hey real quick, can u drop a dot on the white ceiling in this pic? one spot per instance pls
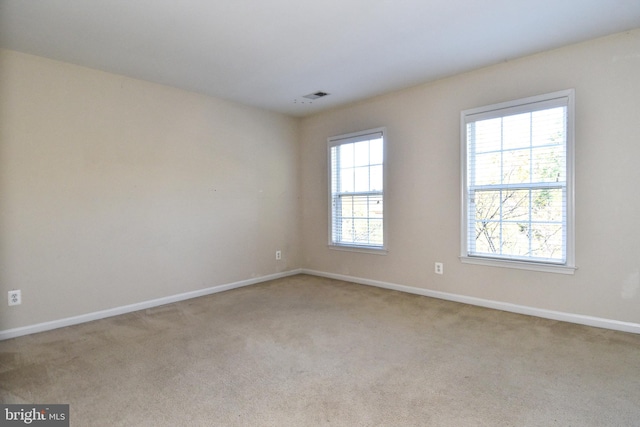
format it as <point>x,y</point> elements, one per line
<point>269,53</point>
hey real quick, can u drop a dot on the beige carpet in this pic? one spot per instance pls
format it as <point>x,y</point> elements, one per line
<point>307,351</point>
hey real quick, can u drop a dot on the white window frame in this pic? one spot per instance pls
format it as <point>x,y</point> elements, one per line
<point>565,97</point>
<point>348,139</point>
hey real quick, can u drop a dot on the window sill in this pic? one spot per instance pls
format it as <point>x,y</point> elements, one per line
<point>361,249</point>
<point>522,265</point>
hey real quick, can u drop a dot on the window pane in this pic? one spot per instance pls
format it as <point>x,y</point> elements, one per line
<point>487,237</point>
<point>360,207</point>
<point>361,153</point>
<point>346,155</point>
<point>516,131</point>
<point>547,241</point>
<point>487,170</point>
<point>516,168</point>
<point>376,178</point>
<point>515,205</point>
<point>347,206</point>
<point>487,205</point>
<point>347,231</point>
<point>361,230</point>
<point>376,153</point>
<point>375,207</point>
<point>547,205</point>
<point>548,164</point>
<point>361,179</point>
<point>515,239</point>
<point>548,126</point>
<point>347,184</point>
<point>488,134</point>
<point>376,233</point>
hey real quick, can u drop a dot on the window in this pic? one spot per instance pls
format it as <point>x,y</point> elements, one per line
<point>356,190</point>
<point>517,166</point>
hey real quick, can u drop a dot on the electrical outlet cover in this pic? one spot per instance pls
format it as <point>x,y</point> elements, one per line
<point>15,297</point>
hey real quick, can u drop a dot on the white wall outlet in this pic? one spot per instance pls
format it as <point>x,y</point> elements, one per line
<point>439,268</point>
<point>278,255</point>
<point>15,297</point>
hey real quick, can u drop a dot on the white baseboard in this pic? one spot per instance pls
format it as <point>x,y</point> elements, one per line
<point>55,324</point>
<point>497,305</point>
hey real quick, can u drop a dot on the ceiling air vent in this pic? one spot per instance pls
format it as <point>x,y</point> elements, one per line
<point>316,95</point>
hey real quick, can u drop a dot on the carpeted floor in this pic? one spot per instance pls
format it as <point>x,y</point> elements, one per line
<point>307,351</point>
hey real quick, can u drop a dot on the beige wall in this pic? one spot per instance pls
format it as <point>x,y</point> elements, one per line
<point>115,191</point>
<point>423,192</point>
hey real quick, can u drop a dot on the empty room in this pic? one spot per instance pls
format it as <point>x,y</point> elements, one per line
<point>345,213</point>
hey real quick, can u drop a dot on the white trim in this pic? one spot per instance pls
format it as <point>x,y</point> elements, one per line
<point>351,138</point>
<point>532,103</point>
<point>579,319</point>
<point>361,249</point>
<point>521,265</point>
<point>83,318</point>
<point>564,98</point>
<point>362,135</point>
